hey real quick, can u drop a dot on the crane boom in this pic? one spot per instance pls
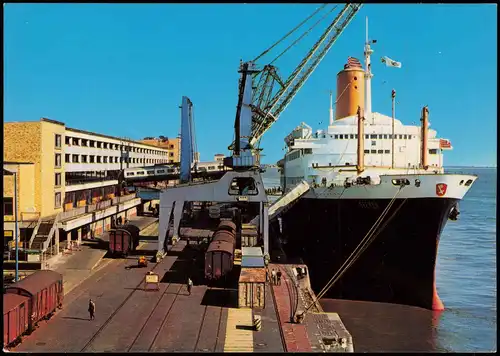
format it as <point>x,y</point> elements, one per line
<point>266,112</point>
<point>300,75</point>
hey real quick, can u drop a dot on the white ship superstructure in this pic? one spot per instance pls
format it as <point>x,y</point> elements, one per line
<point>371,178</point>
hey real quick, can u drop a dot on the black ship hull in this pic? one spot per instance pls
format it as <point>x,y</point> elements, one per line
<point>397,267</point>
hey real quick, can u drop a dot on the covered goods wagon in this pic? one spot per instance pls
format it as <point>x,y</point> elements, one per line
<point>218,259</point>
<point>123,240</point>
<point>16,311</point>
<point>44,289</point>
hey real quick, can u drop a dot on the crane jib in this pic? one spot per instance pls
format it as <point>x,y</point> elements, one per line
<point>266,111</point>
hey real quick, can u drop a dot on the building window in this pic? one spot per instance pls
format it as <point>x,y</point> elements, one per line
<point>57,202</point>
<point>58,179</point>
<point>116,159</point>
<point>84,159</point>
<point>400,137</point>
<point>58,160</point>
<point>98,159</point>
<point>67,140</point>
<point>387,151</point>
<point>58,141</point>
<point>91,159</point>
<point>75,141</point>
<point>171,154</point>
<point>111,159</point>
<point>433,151</point>
<point>67,158</point>
<point>380,151</point>
<point>373,151</point>
<point>85,143</point>
<point>8,206</point>
<point>171,146</point>
<point>367,151</point>
<point>385,137</point>
<point>99,144</point>
<point>406,137</point>
<point>373,136</point>
<point>105,159</point>
<point>75,159</point>
<point>380,137</point>
<point>374,143</point>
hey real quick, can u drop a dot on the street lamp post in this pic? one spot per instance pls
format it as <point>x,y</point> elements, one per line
<point>16,236</point>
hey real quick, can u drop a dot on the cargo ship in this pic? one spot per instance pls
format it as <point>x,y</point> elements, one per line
<point>378,201</point>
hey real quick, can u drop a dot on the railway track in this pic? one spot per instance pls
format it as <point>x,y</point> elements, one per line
<point>110,318</point>
<point>203,323</point>
<point>149,318</point>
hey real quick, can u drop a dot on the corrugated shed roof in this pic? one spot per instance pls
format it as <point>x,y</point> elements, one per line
<point>252,261</point>
<point>251,251</point>
<point>35,282</point>
<point>247,232</point>
<point>11,301</point>
<point>255,275</point>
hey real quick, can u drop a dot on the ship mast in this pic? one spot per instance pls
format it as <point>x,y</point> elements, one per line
<point>368,76</point>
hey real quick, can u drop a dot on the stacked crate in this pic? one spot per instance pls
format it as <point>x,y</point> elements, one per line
<point>252,282</point>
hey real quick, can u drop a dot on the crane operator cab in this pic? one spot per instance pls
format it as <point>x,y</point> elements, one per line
<point>243,186</point>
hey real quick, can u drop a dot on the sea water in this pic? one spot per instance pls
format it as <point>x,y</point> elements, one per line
<point>466,283</point>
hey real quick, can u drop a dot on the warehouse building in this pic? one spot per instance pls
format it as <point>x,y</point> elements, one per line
<point>67,182</point>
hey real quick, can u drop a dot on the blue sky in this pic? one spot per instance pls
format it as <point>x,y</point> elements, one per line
<point>122,69</point>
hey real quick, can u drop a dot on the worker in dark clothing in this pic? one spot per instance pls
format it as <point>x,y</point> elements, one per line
<point>91,309</point>
<point>189,285</point>
<point>278,276</point>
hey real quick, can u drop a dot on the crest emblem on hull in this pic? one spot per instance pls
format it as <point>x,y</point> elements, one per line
<point>441,189</point>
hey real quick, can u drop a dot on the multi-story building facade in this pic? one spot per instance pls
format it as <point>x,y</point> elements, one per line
<point>172,145</point>
<point>67,173</point>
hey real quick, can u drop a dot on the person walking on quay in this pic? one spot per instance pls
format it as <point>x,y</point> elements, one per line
<point>273,276</point>
<point>91,309</point>
<point>189,285</point>
<point>278,276</point>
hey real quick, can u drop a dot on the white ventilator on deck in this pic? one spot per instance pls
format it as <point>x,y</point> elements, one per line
<point>284,201</point>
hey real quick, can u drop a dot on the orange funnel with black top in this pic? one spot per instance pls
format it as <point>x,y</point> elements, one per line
<point>350,89</point>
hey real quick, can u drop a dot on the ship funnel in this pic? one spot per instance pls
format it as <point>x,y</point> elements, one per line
<point>350,89</point>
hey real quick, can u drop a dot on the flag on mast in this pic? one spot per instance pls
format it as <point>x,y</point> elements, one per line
<point>390,62</point>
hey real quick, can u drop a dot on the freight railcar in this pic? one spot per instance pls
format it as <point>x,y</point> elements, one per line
<point>219,259</point>
<point>123,240</point>
<point>42,294</point>
<point>227,225</point>
<point>225,236</point>
<point>16,309</point>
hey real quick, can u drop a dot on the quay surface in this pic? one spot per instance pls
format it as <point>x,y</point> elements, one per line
<point>130,319</point>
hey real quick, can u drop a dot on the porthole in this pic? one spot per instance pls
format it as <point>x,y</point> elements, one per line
<point>417,183</point>
<point>355,78</point>
<point>469,182</point>
<point>461,182</point>
<point>356,87</point>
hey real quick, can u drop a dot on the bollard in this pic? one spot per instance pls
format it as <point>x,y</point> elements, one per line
<point>257,323</point>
